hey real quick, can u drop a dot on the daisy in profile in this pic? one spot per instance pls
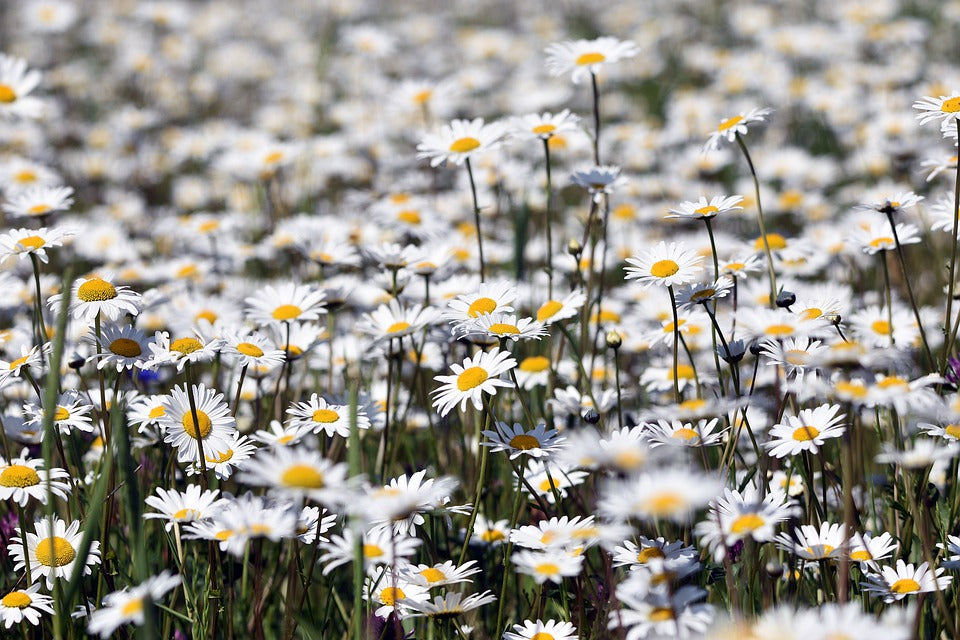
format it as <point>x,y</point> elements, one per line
<point>16,84</point>
<point>810,543</point>
<point>247,518</point>
<point>93,296</point>
<point>127,605</point>
<point>667,494</point>
<point>876,236</point>
<point>599,181</point>
<point>489,532</point>
<point>180,351</point>
<point>26,242</point>
<point>739,515</point>
<point>945,109</point>
<point>287,302</point>
<point>279,435</point>
<point>24,604</point>
<point>892,205</point>
<point>539,442</point>
<point>72,413</point>
<point>318,415</point>
<point>489,297</point>
<point>729,128</point>
<point>393,320</point>
<point>122,346</point>
<point>556,310</point>
<point>52,553</point>
<point>533,371</point>
<point>440,574</point>
<point>213,426</point>
<point>547,565</point>
<point>298,473</point>
<point>704,209</point>
<point>249,348</point>
<point>500,326</point>
<point>553,480</point>
<point>29,357</point>
<point>381,547</point>
<point>664,266</point>
<point>224,461</point>
<point>460,140</point>
<point>392,593</point>
<point>677,433</point>
<point>450,605</point>
<point>894,584</point>
<point>178,507</point>
<point>24,478</point>
<point>867,549</point>
<point>38,200</point>
<point>638,556</point>
<point>540,630</point>
<point>582,58</point>
<point>402,502</point>
<point>543,126</point>
<point>690,295</point>
<point>807,431</point>
<point>477,375</point>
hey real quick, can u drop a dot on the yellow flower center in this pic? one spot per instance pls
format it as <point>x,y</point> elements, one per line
<point>524,442</point>
<point>779,330</point>
<point>207,315</point>
<point>185,346</point>
<point>286,312</point>
<point>950,105</point>
<point>201,429</point>
<point>703,294</point>
<point>273,157</point>
<point>372,551</point>
<point>471,378</point>
<point>219,458</point>
<point>650,553</point>
<point>861,555</point>
<point>223,535</point>
<point>547,569</point>
<point>32,242</point>
<point>183,514</point>
<point>16,599</point>
<point>325,416</point>
<point>882,241</point>
<point>157,412</point>
<point>535,364</point>
<point>126,347</point>
<point>893,382</point>
<point>544,129</point>
<point>706,211</point>
<point>433,575</point>
<point>548,310</point>
<point>952,430</point>
<point>729,122</point>
<point>684,433</point>
<point>55,552</point>
<point>481,305</point>
<point>18,362</point>
<point>96,290</point>
<point>464,145</point>
<point>397,327</point>
<point>390,595</point>
<point>547,485</point>
<point>905,585</point>
<point>590,58</point>
<point>39,209</point>
<point>501,328</point>
<point>775,240</point>
<point>25,177</point>
<point>18,475</point>
<point>62,413</point>
<point>542,635</point>
<point>881,326</point>
<point>664,268</point>
<point>250,349</point>
<point>660,614</point>
<point>796,357</point>
<point>303,476</point>
<point>746,523</point>
<point>665,503</point>
<point>805,434</point>
<point>693,404</point>
<point>684,372</point>
<point>491,535</point>
<point>132,608</point>
<point>410,216</point>
<point>422,97</point>
<point>7,94</point>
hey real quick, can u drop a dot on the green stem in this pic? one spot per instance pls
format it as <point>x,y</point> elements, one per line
<point>476,220</point>
<point>763,228</point>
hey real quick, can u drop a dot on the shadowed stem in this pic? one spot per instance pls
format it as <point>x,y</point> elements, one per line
<point>676,345</point>
<point>763,227</point>
<point>913,301</point>
<point>596,118</point>
<point>953,261</point>
<point>549,188</point>
<point>476,221</point>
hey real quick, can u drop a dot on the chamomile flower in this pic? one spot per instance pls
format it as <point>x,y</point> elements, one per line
<point>287,302</point>
<point>599,181</point>
<point>52,553</point>
<point>213,425</point>
<point>892,205</point>
<point>72,413</point>
<point>393,320</point>
<point>279,435</point>
<point>677,433</point>
<point>37,201</point>
<point>29,357</point>
<point>533,371</point>
<point>665,266</point>
<point>26,242</point>
<point>380,547</point>
<point>488,532</point>
<point>810,543</point>
<point>253,349</point>
<point>807,431</point>
<point>440,574</point>
<point>704,209</point>
<point>539,442</point>
<point>741,515</point>
<point>318,415</point>
<point>944,108</point>
<point>122,346</point>
<point>894,584</point>
<point>543,126</point>
<point>93,296</point>
<point>669,494</point>
<point>24,604</point>
<point>489,297</point>
<point>550,481</point>
<point>24,478</point>
<point>180,351</point>
<point>477,375</point>
<point>648,551</point>
<point>392,592</point>
<point>729,128</point>
<point>403,501</point>
<point>247,518</point>
<point>500,326</point>
<point>556,310</point>
<point>223,461</point>
<point>16,84</point>
<point>554,565</point>
<point>452,604</point>
<point>690,295</point>
<point>178,507</point>
<point>127,605</point>
<point>876,236</point>
<point>460,140</point>
<point>867,549</point>
<point>298,473</point>
<point>540,630</point>
<point>582,58</point>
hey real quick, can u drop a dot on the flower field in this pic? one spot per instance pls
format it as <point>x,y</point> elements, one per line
<point>360,320</point>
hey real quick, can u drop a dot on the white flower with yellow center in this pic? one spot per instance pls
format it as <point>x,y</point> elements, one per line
<point>543,126</point>
<point>93,295</point>
<point>38,201</point>
<point>72,413</point>
<point>441,574</point>
<point>16,83</point>
<point>490,297</point>
<point>550,481</point>
<point>729,128</point>
<point>665,494</point>
<point>180,350</point>
<point>556,310</point>
<point>178,507</point>
<point>691,295</point>
<point>253,349</point>
<point>583,58</point>
<point>127,605</point>
<point>52,553</point>
<point>872,326</point>
<point>380,547</point>
<point>450,605</point>
<point>946,109</point>
<point>245,518</point>
<point>876,236</point>
<point>540,630</point>
<point>867,549</point>
<point>223,461</point>
<point>677,433</point>
<point>533,371</point>
<point>477,376</point>
<point>29,356</point>
<point>318,415</point>
<point>499,326</point>
<point>391,590</point>
<point>807,431</point>
<point>24,604</point>
<point>547,565</point>
<point>539,442</point>
<point>742,515</point>
<point>894,584</point>
<point>665,265</point>
<point>211,424</point>
<point>810,543</point>
<point>703,209</point>
<point>25,242</point>
<point>460,140</point>
<point>285,303</point>
<point>122,346</point>
<point>299,473</point>
<point>639,556</point>
<point>24,478</point>
<point>394,321</point>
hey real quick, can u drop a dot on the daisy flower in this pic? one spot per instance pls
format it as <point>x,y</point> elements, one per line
<point>677,433</point>
<point>489,532</point>
<point>807,431</point>
<point>180,351</point>
<point>183,507</point>
<point>599,181</point>
<point>247,518</point>
<point>533,371</point>
<point>253,349</point>
<point>540,630</point>
<point>52,553</point>
<point>24,604</point>
<point>16,83</point>
<point>548,481</point>
<point>476,376</point>
<point>543,126</point>
<point>582,58</point>
<point>29,356</point>
<point>24,242</point>
<point>122,346</point>
<point>539,442</point>
<point>390,321</point>
<point>318,415</point>
<point>664,265</point>
<point>729,128</point>
<point>213,426</point>
<point>944,108</point>
<point>547,565</point>
<point>460,140</point>
<point>923,453</point>
<point>381,547</point>
<point>72,413</point>
<point>450,605</point>
<point>402,501</point>
<point>555,533</point>
<point>490,297</point>
<point>24,478</point>
<point>288,302</point>
<point>739,515</point>
<point>703,209</point>
<point>127,606</point>
<point>810,543</point>
<point>659,615</point>
<point>313,522</point>
<point>38,201</point>
<point>282,436</point>
<point>871,326</point>
<point>500,326</point>
<point>690,295</point>
<point>299,473</point>
<point>876,236</point>
<point>637,556</point>
<point>555,310</point>
<point>93,296</point>
<point>893,204</point>
<point>392,593</point>
<point>440,574</point>
<point>894,584</point>
<point>667,494</point>
<point>223,461</point>
<point>867,549</point>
